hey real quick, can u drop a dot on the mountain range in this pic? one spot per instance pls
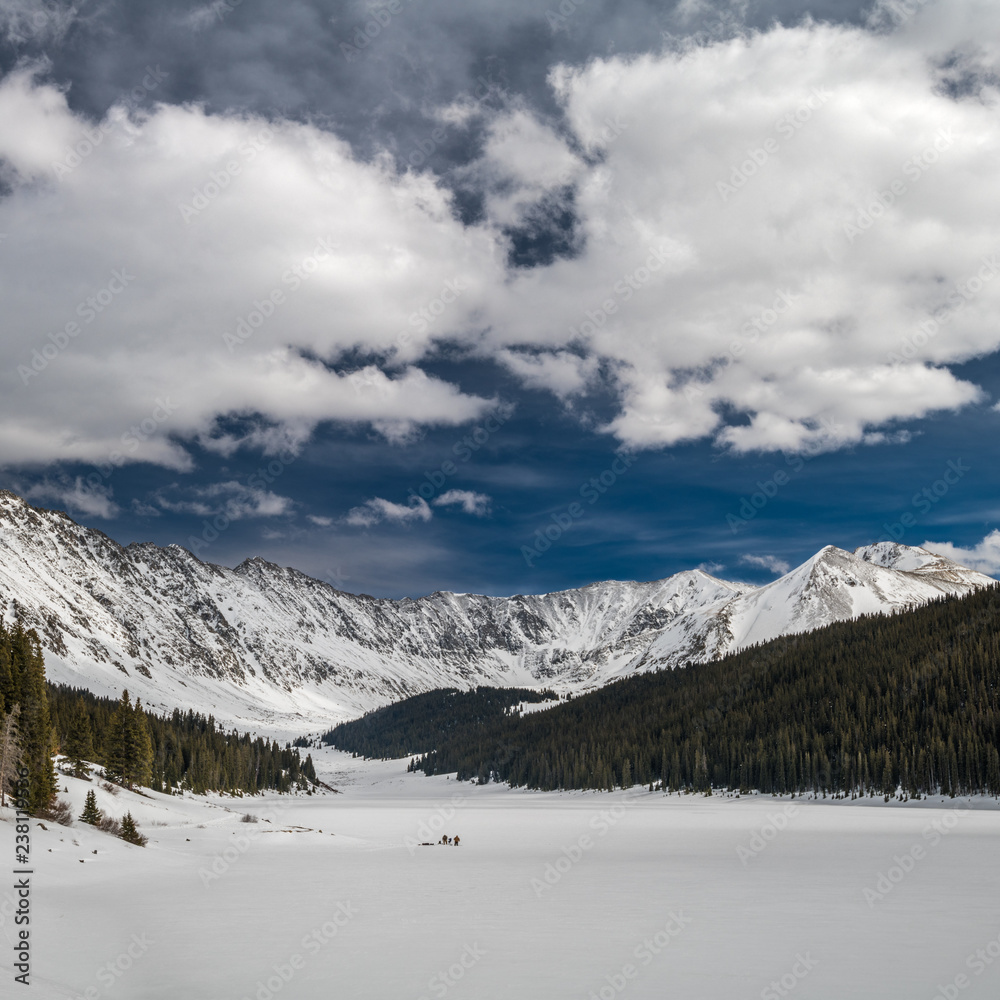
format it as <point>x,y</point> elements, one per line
<point>265,645</point>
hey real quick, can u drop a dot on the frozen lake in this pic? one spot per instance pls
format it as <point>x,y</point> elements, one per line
<point>549,896</point>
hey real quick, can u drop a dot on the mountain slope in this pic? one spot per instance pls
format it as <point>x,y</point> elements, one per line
<point>261,643</point>
<point>907,704</point>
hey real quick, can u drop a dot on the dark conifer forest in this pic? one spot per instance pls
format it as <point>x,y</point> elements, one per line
<point>905,703</point>
<point>425,720</point>
<point>134,748</point>
<point>188,750</point>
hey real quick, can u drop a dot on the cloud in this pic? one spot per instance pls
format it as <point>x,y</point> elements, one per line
<point>477,504</point>
<point>141,509</point>
<point>769,323</point>
<point>563,373</point>
<point>771,563</point>
<point>984,557</point>
<point>40,21</point>
<point>737,270</point>
<point>207,16</point>
<point>276,252</point>
<point>321,522</point>
<point>76,496</point>
<point>233,499</point>
<point>376,510</point>
<point>711,567</point>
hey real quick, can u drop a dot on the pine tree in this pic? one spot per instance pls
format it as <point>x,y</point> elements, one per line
<point>91,814</point>
<point>8,688</point>
<point>10,752</point>
<point>130,833</point>
<point>116,740</point>
<point>34,724</point>
<point>128,750</point>
<point>79,743</point>
<point>140,770</point>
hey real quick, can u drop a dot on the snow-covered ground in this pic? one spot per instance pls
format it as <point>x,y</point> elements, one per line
<point>549,895</point>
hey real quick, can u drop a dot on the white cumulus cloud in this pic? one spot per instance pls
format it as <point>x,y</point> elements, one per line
<point>771,563</point>
<point>477,504</point>
<point>76,496</point>
<point>784,239</point>
<point>233,499</point>
<point>377,510</point>
<point>984,557</point>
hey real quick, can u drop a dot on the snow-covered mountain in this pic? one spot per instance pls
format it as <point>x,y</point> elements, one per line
<point>261,644</point>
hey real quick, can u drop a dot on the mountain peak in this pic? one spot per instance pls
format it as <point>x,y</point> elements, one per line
<point>263,641</point>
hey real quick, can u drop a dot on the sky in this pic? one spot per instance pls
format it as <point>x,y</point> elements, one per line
<point>504,297</point>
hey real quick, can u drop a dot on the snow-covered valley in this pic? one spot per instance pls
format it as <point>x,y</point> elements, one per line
<point>262,645</point>
<point>549,895</point>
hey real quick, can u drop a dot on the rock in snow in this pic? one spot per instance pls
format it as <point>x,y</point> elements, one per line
<point>260,643</point>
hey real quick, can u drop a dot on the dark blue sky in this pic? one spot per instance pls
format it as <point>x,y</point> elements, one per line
<point>603,462</point>
<point>668,511</point>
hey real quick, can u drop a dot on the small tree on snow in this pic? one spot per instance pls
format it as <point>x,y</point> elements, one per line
<point>91,814</point>
<point>130,832</point>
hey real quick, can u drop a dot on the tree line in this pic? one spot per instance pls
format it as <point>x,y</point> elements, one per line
<point>906,703</point>
<point>425,720</point>
<point>185,750</point>
<point>133,747</point>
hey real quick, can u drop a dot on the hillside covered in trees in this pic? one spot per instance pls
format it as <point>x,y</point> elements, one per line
<point>425,720</point>
<point>26,737</point>
<point>186,750</point>
<point>134,748</point>
<point>908,701</point>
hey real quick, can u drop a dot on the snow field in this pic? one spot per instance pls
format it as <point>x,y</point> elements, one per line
<point>550,895</point>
